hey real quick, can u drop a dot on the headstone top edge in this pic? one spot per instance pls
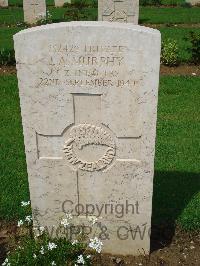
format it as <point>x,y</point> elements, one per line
<point>118,25</point>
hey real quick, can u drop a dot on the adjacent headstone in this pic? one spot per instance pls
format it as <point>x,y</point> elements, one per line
<point>3,3</point>
<point>193,2</point>
<point>60,3</point>
<point>118,10</point>
<point>34,10</point>
<point>88,94</point>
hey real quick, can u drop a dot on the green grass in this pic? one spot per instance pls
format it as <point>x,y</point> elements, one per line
<point>176,183</point>
<point>177,178</point>
<point>20,2</point>
<point>6,37</point>
<point>11,16</point>
<point>14,184</point>
<point>179,35</point>
<point>152,15</point>
<point>177,15</point>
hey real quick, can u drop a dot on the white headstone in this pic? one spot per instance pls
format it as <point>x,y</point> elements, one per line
<point>3,3</point>
<point>88,94</point>
<point>193,2</point>
<point>118,10</point>
<point>60,3</point>
<point>34,10</point>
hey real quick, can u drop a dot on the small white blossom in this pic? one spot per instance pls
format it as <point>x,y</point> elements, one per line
<point>24,203</point>
<point>42,250</point>
<point>39,230</point>
<point>20,222</point>
<point>28,219</point>
<point>65,222</point>
<point>41,16</point>
<point>53,263</point>
<point>80,259</point>
<point>51,246</point>
<point>93,220</point>
<point>42,229</point>
<point>96,244</point>
<point>88,256</point>
<point>6,263</point>
<point>69,216</point>
<point>74,242</point>
<point>34,256</point>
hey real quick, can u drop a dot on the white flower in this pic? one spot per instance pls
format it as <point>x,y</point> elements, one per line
<point>53,263</point>
<point>34,256</point>
<point>42,229</point>
<point>20,222</point>
<point>74,242</point>
<point>41,16</point>
<point>42,250</point>
<point>24,203</point>
<point>69,216</point>
<point>93,220</point>
<point>88,256</point>
<point>28,219</point>
<point>65,222</point>
<point>80,259</point>
<point>6,263</point>
<point>96,244</point>
<point>51,246</point>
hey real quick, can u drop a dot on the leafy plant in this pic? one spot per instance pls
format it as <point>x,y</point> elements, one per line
<point>7,57</point>
<point>42,19</point>
<point>170,53</point>
<point>194,49</point>
<point>39,246</point>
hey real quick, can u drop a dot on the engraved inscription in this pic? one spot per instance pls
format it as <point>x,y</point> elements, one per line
<point>119,12</point>
<point>87,134</point>
<point>93,66</point>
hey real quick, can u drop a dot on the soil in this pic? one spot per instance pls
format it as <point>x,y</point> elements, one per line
<point>183,249</point>
<point>173,248</point>
<point>184,69</point>
<point>188,70</point>
<point>7,70</point>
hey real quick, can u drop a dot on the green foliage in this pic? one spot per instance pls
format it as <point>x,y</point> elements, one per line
<point>30,252</point>
<point>7,57</point>
<point>194,49</point>
<point>46,20</point>
<point>150,2</point>
<point>79,3</point>
<point>169,53</point>
<point>41,245</point>
<point>179,34</point>
<point>161,2</point>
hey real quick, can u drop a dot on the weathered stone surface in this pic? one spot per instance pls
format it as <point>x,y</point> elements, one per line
<point>3,3</point>
<point>118,10</point>
<point>60,3</point>
<point>34,10</point>
<point>88,94</point>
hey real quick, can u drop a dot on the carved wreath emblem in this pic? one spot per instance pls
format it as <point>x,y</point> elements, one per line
<point>86,134</point>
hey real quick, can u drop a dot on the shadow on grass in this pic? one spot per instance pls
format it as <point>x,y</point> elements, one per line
<point>172,192</point>
<point>143,20</point>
